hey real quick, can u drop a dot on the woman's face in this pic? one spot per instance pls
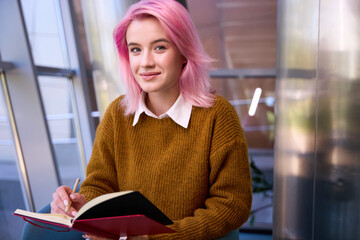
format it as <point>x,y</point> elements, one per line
<point>154,59</point>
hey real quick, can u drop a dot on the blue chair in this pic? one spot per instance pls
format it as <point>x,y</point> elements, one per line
<point>233,235</point>
<point>31,232</point>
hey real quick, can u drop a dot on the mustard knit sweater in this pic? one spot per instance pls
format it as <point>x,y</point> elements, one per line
<point>199,176</point>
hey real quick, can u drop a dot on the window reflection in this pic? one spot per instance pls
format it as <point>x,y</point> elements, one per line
<point>100,19</point>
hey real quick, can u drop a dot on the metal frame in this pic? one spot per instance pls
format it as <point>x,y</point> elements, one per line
<point>244,73</point>
<point>54,72</point>
<point>81,89</point>
<point>5,66</point>
<point>262,73</point>
<point>27,118</point>
<point>29,203</point>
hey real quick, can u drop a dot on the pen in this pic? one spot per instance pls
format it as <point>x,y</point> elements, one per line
<point>74,191</point>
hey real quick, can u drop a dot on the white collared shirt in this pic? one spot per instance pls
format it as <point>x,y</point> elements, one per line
<point>179,112</point>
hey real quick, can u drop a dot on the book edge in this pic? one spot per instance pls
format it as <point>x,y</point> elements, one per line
<point>42,220</point>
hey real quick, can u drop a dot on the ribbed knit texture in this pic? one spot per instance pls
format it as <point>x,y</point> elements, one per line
<point>199,176</point>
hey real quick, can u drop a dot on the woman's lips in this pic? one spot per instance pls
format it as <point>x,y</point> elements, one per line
<point>149,75</point>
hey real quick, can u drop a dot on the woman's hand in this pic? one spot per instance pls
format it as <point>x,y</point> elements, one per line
<point>61,198</point>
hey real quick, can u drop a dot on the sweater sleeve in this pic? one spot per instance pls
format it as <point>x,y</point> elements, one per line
<point>229,196</point>
<point>101,171</point>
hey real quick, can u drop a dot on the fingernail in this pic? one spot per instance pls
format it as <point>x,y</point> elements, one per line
<point>72,196</point>
<point>66,202</point>
<point>74,213</point>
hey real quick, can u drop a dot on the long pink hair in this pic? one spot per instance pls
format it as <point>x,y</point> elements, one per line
<point>194,82</point>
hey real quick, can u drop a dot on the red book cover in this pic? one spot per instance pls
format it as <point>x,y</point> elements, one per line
<point>111,215</point>
<point>133,225</point>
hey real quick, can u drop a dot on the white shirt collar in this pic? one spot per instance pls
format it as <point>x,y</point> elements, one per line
<point>179,112</point>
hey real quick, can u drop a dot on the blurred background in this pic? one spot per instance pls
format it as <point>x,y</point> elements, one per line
<point>290,68</point>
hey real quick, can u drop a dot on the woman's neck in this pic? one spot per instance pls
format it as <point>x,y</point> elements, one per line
<point>160,103</point>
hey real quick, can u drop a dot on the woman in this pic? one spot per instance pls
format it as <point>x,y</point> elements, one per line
<point>170,137</point>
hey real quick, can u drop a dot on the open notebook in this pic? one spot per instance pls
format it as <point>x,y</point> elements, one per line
<point>126,213</point>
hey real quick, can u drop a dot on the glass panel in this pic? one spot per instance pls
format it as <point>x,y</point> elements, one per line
<point>337,167</point>
<point>240,93</point>
<point>242,34</point>
<point>44,28</point>
<point>297,105</point>
<point>259,132</point>
<point>237,33</point>
<point>58,100</point>
<point>11,196</point>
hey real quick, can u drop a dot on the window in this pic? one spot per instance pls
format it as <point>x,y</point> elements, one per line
<point>240,35</point>
<point>58,99</point>
<point>45,28</point>
<point>44,111</point>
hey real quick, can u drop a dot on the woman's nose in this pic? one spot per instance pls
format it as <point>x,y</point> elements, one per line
<point>147,59</point>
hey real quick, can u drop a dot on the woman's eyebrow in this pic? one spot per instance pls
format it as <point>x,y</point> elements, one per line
<point>153,42</point>
<point>160,40</point>
<point>132,44</point>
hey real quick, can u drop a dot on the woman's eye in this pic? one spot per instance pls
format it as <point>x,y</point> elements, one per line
<point>135,50</point>
<point>160,48</point>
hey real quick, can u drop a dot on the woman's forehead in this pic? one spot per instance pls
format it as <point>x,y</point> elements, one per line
<point>145,29</point>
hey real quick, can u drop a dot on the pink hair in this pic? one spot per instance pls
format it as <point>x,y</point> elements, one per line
<point>194,82</point>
